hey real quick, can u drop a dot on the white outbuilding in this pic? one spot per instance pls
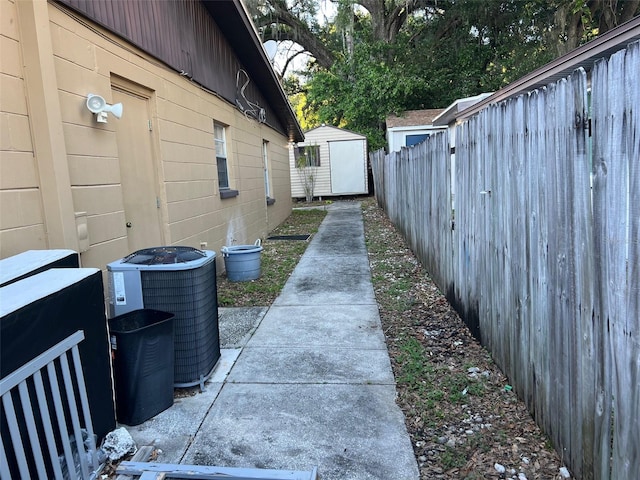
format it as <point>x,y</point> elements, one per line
<point>330,162</point>
<point>411,128</point>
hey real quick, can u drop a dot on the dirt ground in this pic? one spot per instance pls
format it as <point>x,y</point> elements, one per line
<point>464,419</point>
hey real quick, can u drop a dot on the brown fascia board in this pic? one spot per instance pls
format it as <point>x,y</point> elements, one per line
<point>235,23</point>
<point>584,56</point>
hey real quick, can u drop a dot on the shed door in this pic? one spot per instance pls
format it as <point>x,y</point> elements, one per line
<point>347,167</point>
<point>137,171</point>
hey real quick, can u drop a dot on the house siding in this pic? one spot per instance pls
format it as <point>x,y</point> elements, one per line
<point>322,136</point>
<point>89,59</point>
<point>20,205</point>
<point>184,36</point>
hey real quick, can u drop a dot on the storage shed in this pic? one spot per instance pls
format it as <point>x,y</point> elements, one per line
<point>411,128</point>
<point>330,162</point>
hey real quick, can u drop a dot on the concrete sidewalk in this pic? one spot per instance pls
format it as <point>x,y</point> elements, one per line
<point>309,379</point>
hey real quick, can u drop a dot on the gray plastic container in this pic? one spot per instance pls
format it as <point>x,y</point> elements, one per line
<point>242,262</point>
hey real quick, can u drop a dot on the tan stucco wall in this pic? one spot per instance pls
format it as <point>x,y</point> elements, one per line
<point>80,58</point>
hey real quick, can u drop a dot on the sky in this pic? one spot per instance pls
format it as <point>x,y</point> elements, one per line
<point>326,12</point>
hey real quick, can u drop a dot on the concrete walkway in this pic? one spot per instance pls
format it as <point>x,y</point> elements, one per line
<point>310,386</point>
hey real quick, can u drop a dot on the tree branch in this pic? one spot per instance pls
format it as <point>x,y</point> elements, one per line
<point>282,24</point>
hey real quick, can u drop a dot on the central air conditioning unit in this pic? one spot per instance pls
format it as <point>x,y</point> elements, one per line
<point>32,262</point>
<point>182,281</point>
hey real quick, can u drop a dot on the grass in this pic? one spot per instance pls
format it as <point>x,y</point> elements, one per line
<point>452,458</point>
<point>415,370</point>
<point>432,384</point>
<point>278,259</point>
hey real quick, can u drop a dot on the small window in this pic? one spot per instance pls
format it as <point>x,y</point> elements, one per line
<point>265,161</point>
<point>221,156</point>
<point>411,140</point>
<point>308,156</point>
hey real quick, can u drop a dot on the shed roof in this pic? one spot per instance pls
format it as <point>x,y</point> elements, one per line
<point>412,118</point>
<point>335,128</point>
<point>450,113</point>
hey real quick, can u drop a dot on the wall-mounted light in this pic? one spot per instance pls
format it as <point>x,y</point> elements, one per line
<point>96,104</point>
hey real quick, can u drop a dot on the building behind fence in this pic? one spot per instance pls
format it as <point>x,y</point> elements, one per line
<point>541,256</point>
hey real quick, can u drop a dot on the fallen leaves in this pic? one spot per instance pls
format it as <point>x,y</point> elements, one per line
<point>462,419</point>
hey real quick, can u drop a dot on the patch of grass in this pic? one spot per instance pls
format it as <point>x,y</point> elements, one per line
<point>476,388</point>
<point>452,458</point>
<point>548,444</point>
<point>479,442</point>
<point>457,383</point>
<point>501,436</point>
<point>401,304</point>
<point>413,359</point>
<point>416,372</point>
<point>400,287</point>
<point>278,259</point>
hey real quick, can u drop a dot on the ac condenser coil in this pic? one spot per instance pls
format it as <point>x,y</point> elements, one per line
<point>182,281</point>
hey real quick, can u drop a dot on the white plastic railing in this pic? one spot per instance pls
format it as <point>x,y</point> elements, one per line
<point>38,407</point>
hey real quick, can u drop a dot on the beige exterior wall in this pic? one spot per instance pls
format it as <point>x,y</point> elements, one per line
<point>83,156</point>
<point>321,136</point>
<point>20,199</point>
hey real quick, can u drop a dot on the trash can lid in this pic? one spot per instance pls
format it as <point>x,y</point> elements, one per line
<point>164,255</point>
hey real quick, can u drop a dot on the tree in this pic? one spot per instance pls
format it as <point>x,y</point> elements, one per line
<point>377,57</point>
<point>295,21</point>
<point>359,92</point>
<point>388,17</point>
<point>435,59</point>
<point>577,21</point>
<point>306,161</point>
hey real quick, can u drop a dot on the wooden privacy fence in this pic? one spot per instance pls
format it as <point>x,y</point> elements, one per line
<point>543,262</point>
<point>423,228</point>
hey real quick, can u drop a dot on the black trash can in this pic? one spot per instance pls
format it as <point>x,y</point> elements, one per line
<point>143,359</point>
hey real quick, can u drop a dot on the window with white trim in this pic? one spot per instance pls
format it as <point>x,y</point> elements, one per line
<point>219,134</point>
<point>265,161</point>
<point>307,156</point>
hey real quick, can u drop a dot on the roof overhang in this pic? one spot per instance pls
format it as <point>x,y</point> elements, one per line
<point>584,56</point>
<point>451,112</point>
<point>234,21</point>
<point>414,128</point>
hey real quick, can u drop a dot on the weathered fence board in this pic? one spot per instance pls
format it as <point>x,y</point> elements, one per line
<point>524,318</point>
<point>616,154</point>
<point>422,210</point>
<point>544,261</point>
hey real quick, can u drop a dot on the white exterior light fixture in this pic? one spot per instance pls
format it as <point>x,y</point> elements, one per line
<point>98,106</point>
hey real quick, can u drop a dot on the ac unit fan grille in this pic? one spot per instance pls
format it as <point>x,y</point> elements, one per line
<point>191,296</point>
